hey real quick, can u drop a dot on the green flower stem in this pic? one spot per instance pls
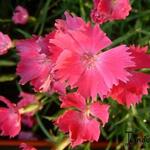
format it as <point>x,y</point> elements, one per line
<point>43,128</point>
<point>5,20</point>
<point>32,19</point>
<point>83,14</point>
<point>133,110</point>
<point>124,37</point>
<point>18,87</point>
<point>145,32</point>
<point>63,144</point>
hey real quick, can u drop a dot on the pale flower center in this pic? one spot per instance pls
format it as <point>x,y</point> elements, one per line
<point>89,60</point>
<point>87,111</point>
<point>114,1</point>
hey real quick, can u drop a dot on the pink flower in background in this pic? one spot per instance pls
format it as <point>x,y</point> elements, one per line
<point>5,43</point>
<point>141,57</point>
<point>108,10</point>
<point>36,66</point>
<point>28,121</point>
<point>28,100</point>
<point>83,64</point>
<point>71,23</point>
<point>24,146</point>
<point>20,15</point>
<point>131,93</point>
<point>27,135</point>
<point>10,119</point>
<point>51,50</point>
<point>82,123</point>
<point>33,66</point>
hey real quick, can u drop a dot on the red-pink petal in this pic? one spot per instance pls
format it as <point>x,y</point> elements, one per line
<point>130,93</point>
<point>64,121</point>
<point>29,58</point>
<point>34,66</point>
<point>100,111</point>
<point>113,64</point>
<point>84,129</point>
<point>24,146</point>
<point>10,119</point>
<point>20,15</point>
<point>59,88</point>
<point>107,10</point>
<point>71,23</point>
<point>91,83</point>
<point>26,100</point>
<point>80,128</point>
<point>73,100</point>
<point>51,50</point>
<point>141,57</point>
<point>5,43</point>
<point>106,72</point>
<point>69,67</point>
<point>92,40</point>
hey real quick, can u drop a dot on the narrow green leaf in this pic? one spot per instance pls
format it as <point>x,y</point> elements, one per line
<point>124,37</point>
<point>6,78</point>
<point>145,70</point>
<point>24,33</point>
<point>47,134</point>
<point>42,18</point>
<point>7,63</point>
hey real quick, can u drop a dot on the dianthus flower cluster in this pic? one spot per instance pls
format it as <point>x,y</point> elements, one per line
<point>77,54</point>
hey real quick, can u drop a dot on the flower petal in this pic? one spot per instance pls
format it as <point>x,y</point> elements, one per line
<point>113,65</point>
<point>71,23</point>
<point>130,93</point>
<point>91,83</point>
<point>141,57</point>
<point>80,128</point>
<point>107,10</point>
<point>5,43</point>
<point>20,15</point>
<point>24,146</point>
<point>100,111</point>
<point>10,119</point>
<point>73,100</point>
<point>69,67</point>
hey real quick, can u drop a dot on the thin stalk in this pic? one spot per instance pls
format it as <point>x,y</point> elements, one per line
<point>43,128</point>
<point>18,87</point>
<point>63,144</point>
<point>125,37</point>
<point>82,9</point>
<point>5,20</point>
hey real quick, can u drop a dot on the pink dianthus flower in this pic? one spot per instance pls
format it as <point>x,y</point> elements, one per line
<point>26,101</point>
<point>10,119</point>
<point>36,65</point>
<point>108,10</point>
<point>71,22</point>
<point>83,123</point>
<point>24,146</point>
<point>5,43</point>
<point>20,15</point>
<point>131,93</point>
<point>83,64</point>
